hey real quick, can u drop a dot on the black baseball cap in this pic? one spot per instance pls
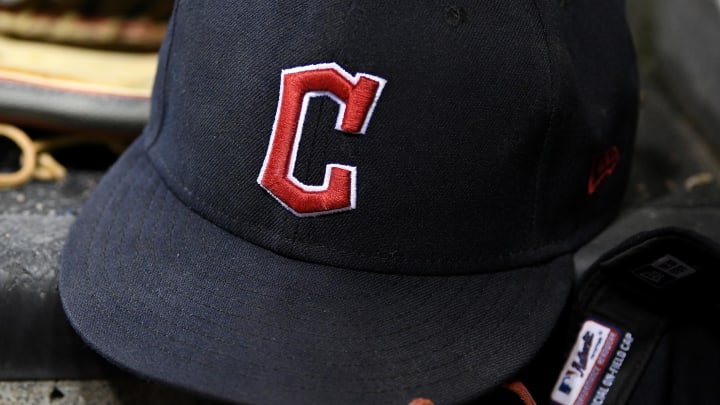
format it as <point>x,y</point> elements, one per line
<point>643,324</point>
<point>356,202</point>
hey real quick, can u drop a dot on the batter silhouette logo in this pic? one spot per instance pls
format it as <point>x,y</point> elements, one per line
<point>584,367</point>
<point>357,96</point>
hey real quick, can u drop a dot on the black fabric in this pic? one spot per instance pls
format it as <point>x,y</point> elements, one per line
<point>658,288</point>
<point>221,316</point>
<point>472,194</point>
<point>684,367</point>
<point>479,151</point>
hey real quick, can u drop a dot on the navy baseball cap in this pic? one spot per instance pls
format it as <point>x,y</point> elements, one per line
<point>356,202</point>
<point>642,325</point>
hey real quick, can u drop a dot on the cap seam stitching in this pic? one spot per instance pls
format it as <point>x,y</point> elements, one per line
<point>165,76</point>
<point>322,107</point>
<point>469,260</point>
<point>303,386</point>
<point>550,124</point>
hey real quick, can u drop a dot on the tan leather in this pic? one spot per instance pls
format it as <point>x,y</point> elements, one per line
<point>100,31</point>
<point>77,69</point>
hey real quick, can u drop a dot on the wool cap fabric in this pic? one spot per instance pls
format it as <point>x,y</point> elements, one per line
<point>356,202</point>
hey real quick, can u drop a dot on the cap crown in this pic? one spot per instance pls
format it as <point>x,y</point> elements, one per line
<point>473,152</point>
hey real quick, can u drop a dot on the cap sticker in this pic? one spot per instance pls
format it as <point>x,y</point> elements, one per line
<point>357,96</point>
<point>583,370</point>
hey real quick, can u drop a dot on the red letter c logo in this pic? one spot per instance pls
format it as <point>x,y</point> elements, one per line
<point>356,96</point>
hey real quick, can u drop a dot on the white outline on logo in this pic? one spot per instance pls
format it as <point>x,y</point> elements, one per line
<point>338,126</point>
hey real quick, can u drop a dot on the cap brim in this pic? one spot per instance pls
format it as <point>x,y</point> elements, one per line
<point>161,291</point>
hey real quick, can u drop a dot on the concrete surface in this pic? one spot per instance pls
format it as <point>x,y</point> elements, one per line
<point>117,391</point>
<point>36,340</point>
<point>685,35</point>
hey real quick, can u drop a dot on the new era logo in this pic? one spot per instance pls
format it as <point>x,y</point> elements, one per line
<point>603,167</point>
<point>664,271</point>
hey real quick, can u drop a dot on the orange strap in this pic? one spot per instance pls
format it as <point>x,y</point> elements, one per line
<point>521,391</point>
<point>516,387</point>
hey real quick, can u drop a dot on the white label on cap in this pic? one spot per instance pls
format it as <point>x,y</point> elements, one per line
<point>584,367</point>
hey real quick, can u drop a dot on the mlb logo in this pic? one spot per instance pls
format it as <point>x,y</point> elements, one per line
<point>588,358</point>
<point>568,382</point>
